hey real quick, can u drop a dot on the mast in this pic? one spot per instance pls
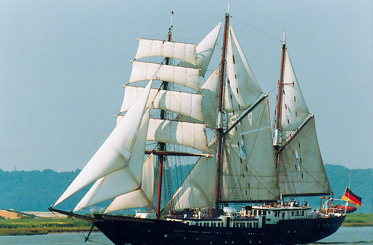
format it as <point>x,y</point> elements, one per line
<point>162,146</point>
<point>279,99</point>
<point>219,127</point>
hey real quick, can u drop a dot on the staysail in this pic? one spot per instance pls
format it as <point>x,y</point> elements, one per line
<point>115,152</point>
<point>126,179</point>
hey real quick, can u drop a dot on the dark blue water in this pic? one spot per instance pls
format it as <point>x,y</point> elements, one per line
<point>344,236</point>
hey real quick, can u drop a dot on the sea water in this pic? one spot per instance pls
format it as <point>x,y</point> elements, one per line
<point>344,236</point>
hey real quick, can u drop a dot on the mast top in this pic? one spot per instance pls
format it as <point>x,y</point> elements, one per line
<point>228,9</point>
<point>171,26</point>
<point>284,38</point>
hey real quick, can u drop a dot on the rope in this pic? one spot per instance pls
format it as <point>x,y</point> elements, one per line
<point>258,30</point>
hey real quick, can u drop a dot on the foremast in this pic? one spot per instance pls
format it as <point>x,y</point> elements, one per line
<point>161,145</point>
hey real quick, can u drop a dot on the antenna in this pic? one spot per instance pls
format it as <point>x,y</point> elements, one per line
<point>284,37</point>
<point>228,9</point>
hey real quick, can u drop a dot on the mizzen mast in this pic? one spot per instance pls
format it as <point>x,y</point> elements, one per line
<point>162,146</point>
<point>219,127</point>
<point>277,134</point>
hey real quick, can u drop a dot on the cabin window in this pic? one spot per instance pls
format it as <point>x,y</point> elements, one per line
<point>286,106</point>
<point>231,96</point>
<point>237,89</point>
<point>235,75</point>
<point>288,121</point>
<point>295,99</point>
<point>296,113</point>
<point>283,91</point>
<point>234,62</point>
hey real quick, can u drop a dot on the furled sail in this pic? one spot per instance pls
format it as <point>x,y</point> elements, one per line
<point>115,151</point>
<point>205,49</point>
<point>181,133</point>
<point>294,110</point>
<point>125,179</point>
<point>142,197</point>
<point>241,89</point>
<point>248,168</point>
<point>198,188</point>
<point>181,75</point>
<point>187,104</point>
<point>159,48</point>
<point>301,170</point>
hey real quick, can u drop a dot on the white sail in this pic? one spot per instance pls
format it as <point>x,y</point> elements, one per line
<point>300,167</point>
<point>187,104</point>
<point>115,151</point>
<point>184,76</point>
<point>142,197</point>
<point>198,188</point>
<point>241,89</point>
<point>158,48</point>
<point>125,179</point>
<point>205,49</point>
<point>210,92</point>
<point>181,133</point>
<point>248,168</point>
<point>293,107</point>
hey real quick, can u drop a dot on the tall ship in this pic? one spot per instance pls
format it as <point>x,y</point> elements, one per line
<point>221,125</point>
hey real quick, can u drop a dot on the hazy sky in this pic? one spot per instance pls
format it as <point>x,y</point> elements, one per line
<point>63,64</point>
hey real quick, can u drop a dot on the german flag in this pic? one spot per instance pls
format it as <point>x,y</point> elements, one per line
<point>351,197</point>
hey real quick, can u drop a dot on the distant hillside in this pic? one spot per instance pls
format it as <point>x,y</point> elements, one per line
<point>37,190</point>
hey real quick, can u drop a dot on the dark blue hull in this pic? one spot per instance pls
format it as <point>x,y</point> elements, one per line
<point>126,230</point>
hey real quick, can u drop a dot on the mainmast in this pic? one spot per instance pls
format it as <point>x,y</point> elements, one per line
<point>162,146</point>
<point>219,127</point>
<point>277,136</point>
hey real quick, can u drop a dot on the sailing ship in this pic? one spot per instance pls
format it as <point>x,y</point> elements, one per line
<point>224,123</point>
